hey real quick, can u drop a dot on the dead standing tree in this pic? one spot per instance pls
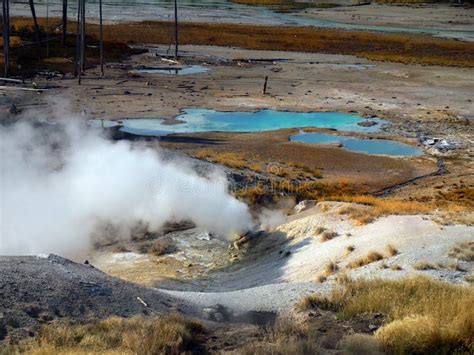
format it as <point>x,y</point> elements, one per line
<point>101,39</point>
<point>37,28</point>
<point>6,35</point>
<point>64,22</point>
<point>176,29</point>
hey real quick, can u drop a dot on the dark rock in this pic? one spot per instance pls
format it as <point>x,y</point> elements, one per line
<point>367,123</point>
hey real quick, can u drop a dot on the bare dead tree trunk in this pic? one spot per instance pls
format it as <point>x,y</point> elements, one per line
<point>176,29</point>
<point>264,90</point>
<point>64,22</point>
<point>6,35</point>
<point>101,44</point>
<point>77,69</point>
<point>83,35</point>
<point>35,20</point>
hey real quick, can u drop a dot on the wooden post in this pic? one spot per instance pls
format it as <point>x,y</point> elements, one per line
<point>264,91</point>
<point>64,22</point>
<point>6,35</point>
<point>35,20</point>
<point>101,44</point>
<point>77,69</point>
<point>176,29</point>
<point>83,35</point>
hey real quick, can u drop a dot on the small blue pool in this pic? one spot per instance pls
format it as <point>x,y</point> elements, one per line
<point>193,69</point>
<point>368,146</point>
<point>205,120</point>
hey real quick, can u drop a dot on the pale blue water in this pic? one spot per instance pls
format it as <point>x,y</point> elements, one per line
<point>204,120</point>
<point>369,146</point>
<point>193,69</point>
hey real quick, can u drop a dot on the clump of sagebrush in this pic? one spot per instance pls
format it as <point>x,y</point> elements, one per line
<point>424,315</point>
<point>170,334</point>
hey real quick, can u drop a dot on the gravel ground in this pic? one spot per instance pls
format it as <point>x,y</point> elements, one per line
<point>40,289</point>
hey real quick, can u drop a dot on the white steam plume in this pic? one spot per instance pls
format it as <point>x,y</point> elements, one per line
<point>57,185</point>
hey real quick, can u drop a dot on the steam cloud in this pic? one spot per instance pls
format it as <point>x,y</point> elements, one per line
<point>58,185</point>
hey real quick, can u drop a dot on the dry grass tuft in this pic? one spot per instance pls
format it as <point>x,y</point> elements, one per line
<point>456,267</point>
<point>426,315</point>
<point>396,267</point>
<point>327,235</point>
<point>361,344</point>
<point>319,230</point>
<point>371,257</point>
<point>159,247</point>
<point>391,250</point>
<point>170,334</point>
<point>321,278</point>
<point>470,278</point>
<point>462,251</point>
<point>379,207</point>
<point>330,268</point>
<point>230,159</point>
<point>253,195</point>
<point>316,301</point>
<point>424,265</point>
<point>349,249</point>
<point>285,337</point>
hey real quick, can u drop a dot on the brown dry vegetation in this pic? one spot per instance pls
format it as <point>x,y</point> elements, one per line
<point>328,235</point>
<point>463,251</point>
<point>276,188</point>
<point>391,250</point>
<point>170,334</point>
<point>424,315</point>
<point>285,337</point>
<point>404,48</point>
<point>239,160</point>
<point>369,258</point>
<point>390,206</point>
<point>330,268</point>
<point>424,265</point>
<point>349,249</point>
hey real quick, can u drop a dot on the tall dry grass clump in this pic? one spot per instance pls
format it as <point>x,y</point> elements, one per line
<point>370,257</point>
<point>231,159</point>
<point>170,334</point>
<point>379,207</point>
<point>285,337</point>
<point>424,315</point>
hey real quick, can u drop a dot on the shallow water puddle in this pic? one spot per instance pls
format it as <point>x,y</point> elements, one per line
<point>193,69</point>
<point>205,120</point>
<point>368,146</point>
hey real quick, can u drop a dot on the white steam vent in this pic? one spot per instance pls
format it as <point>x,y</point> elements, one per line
<point>57,185</point>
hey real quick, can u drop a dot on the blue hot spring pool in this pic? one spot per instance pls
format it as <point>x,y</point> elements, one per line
<point>205,120</point>
<point>192,69</point>
<point>368,146</point>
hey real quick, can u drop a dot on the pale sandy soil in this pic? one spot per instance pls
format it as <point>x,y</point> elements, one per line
<point>267,280</point>
<point>417,16</point>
